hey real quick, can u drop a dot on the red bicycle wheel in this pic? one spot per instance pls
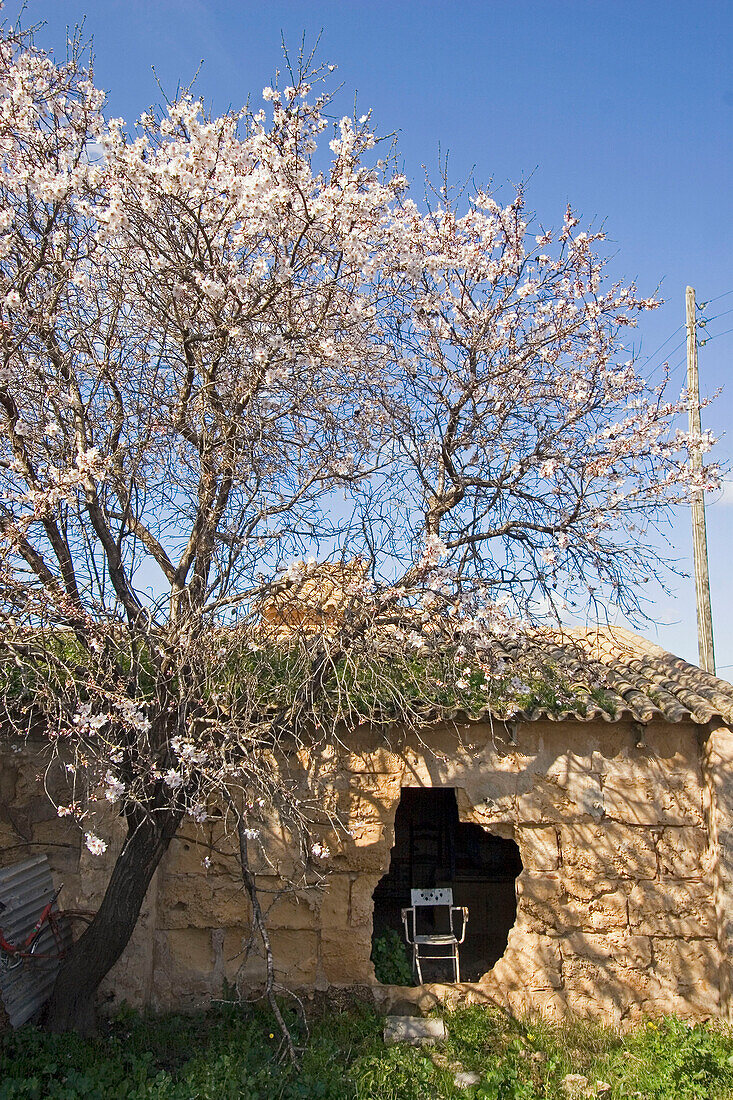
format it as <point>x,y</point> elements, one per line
<point>65,927</point>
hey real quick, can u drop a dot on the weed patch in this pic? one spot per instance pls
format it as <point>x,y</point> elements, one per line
<point>232,1053</point>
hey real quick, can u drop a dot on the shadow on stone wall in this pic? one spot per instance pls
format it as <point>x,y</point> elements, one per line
<point>616,899</point>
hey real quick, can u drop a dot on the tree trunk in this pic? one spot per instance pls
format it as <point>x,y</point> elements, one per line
<point>72,1003</point>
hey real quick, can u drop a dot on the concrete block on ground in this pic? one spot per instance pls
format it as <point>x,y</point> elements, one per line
<point>413,1030</point>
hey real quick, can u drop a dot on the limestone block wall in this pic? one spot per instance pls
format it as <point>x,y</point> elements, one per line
<point>717,758</point>
<point>623,904</point>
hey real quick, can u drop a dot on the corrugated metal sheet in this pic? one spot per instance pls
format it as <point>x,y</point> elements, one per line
<point>25,888</point>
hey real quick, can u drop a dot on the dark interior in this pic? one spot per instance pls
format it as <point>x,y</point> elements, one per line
<point>434,849</point>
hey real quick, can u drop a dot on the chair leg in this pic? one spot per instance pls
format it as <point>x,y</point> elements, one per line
<point>458,968</point>
<point>418,967</point>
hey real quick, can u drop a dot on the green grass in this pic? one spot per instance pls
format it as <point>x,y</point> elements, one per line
<point>232,1053</point>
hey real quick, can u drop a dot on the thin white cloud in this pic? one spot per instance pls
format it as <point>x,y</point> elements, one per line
<point>726,495</point>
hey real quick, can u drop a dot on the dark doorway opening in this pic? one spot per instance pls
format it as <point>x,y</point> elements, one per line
<point>433,848</point>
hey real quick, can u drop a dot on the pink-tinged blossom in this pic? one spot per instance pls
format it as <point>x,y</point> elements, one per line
<point>132,716</point>
<point>95,844</point>
<point>88,723</point>
<point>114,787</point>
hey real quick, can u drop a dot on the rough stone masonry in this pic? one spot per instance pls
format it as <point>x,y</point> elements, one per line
<point>623,822</point>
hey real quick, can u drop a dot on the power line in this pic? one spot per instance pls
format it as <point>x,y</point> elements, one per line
<point>660,366</point>
<point>708,339</point>
<point>707,320</point>
<point>703,305</point>
<point>680,363</point>
<point>702,323</point>
<point>656,353</point>
<point>671,370</point>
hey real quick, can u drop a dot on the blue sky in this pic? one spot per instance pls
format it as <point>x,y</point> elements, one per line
<point>623,109</point>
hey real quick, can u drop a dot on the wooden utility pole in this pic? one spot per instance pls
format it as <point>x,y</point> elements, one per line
<point>699,532</point>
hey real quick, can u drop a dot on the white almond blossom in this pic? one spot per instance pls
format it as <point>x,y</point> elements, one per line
<point>95,844</point>
<point>114,787</point>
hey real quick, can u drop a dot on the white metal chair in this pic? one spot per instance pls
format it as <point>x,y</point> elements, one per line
<point>446,943</point>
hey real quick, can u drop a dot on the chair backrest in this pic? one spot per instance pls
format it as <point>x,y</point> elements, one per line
<point>431,897</point>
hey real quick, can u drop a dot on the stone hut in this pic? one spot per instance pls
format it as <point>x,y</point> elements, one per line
<point>593,847</point>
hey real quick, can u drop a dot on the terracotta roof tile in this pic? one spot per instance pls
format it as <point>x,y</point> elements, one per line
<point>638,679</point>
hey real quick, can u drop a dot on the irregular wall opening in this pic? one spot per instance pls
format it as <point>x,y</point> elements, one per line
<point>433,848</point>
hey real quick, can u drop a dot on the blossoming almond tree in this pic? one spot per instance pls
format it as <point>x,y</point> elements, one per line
<point>218,359</point>
<point>521,421</point>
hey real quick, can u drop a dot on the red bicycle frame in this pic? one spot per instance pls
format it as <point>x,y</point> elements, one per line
<point>62,924</point>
